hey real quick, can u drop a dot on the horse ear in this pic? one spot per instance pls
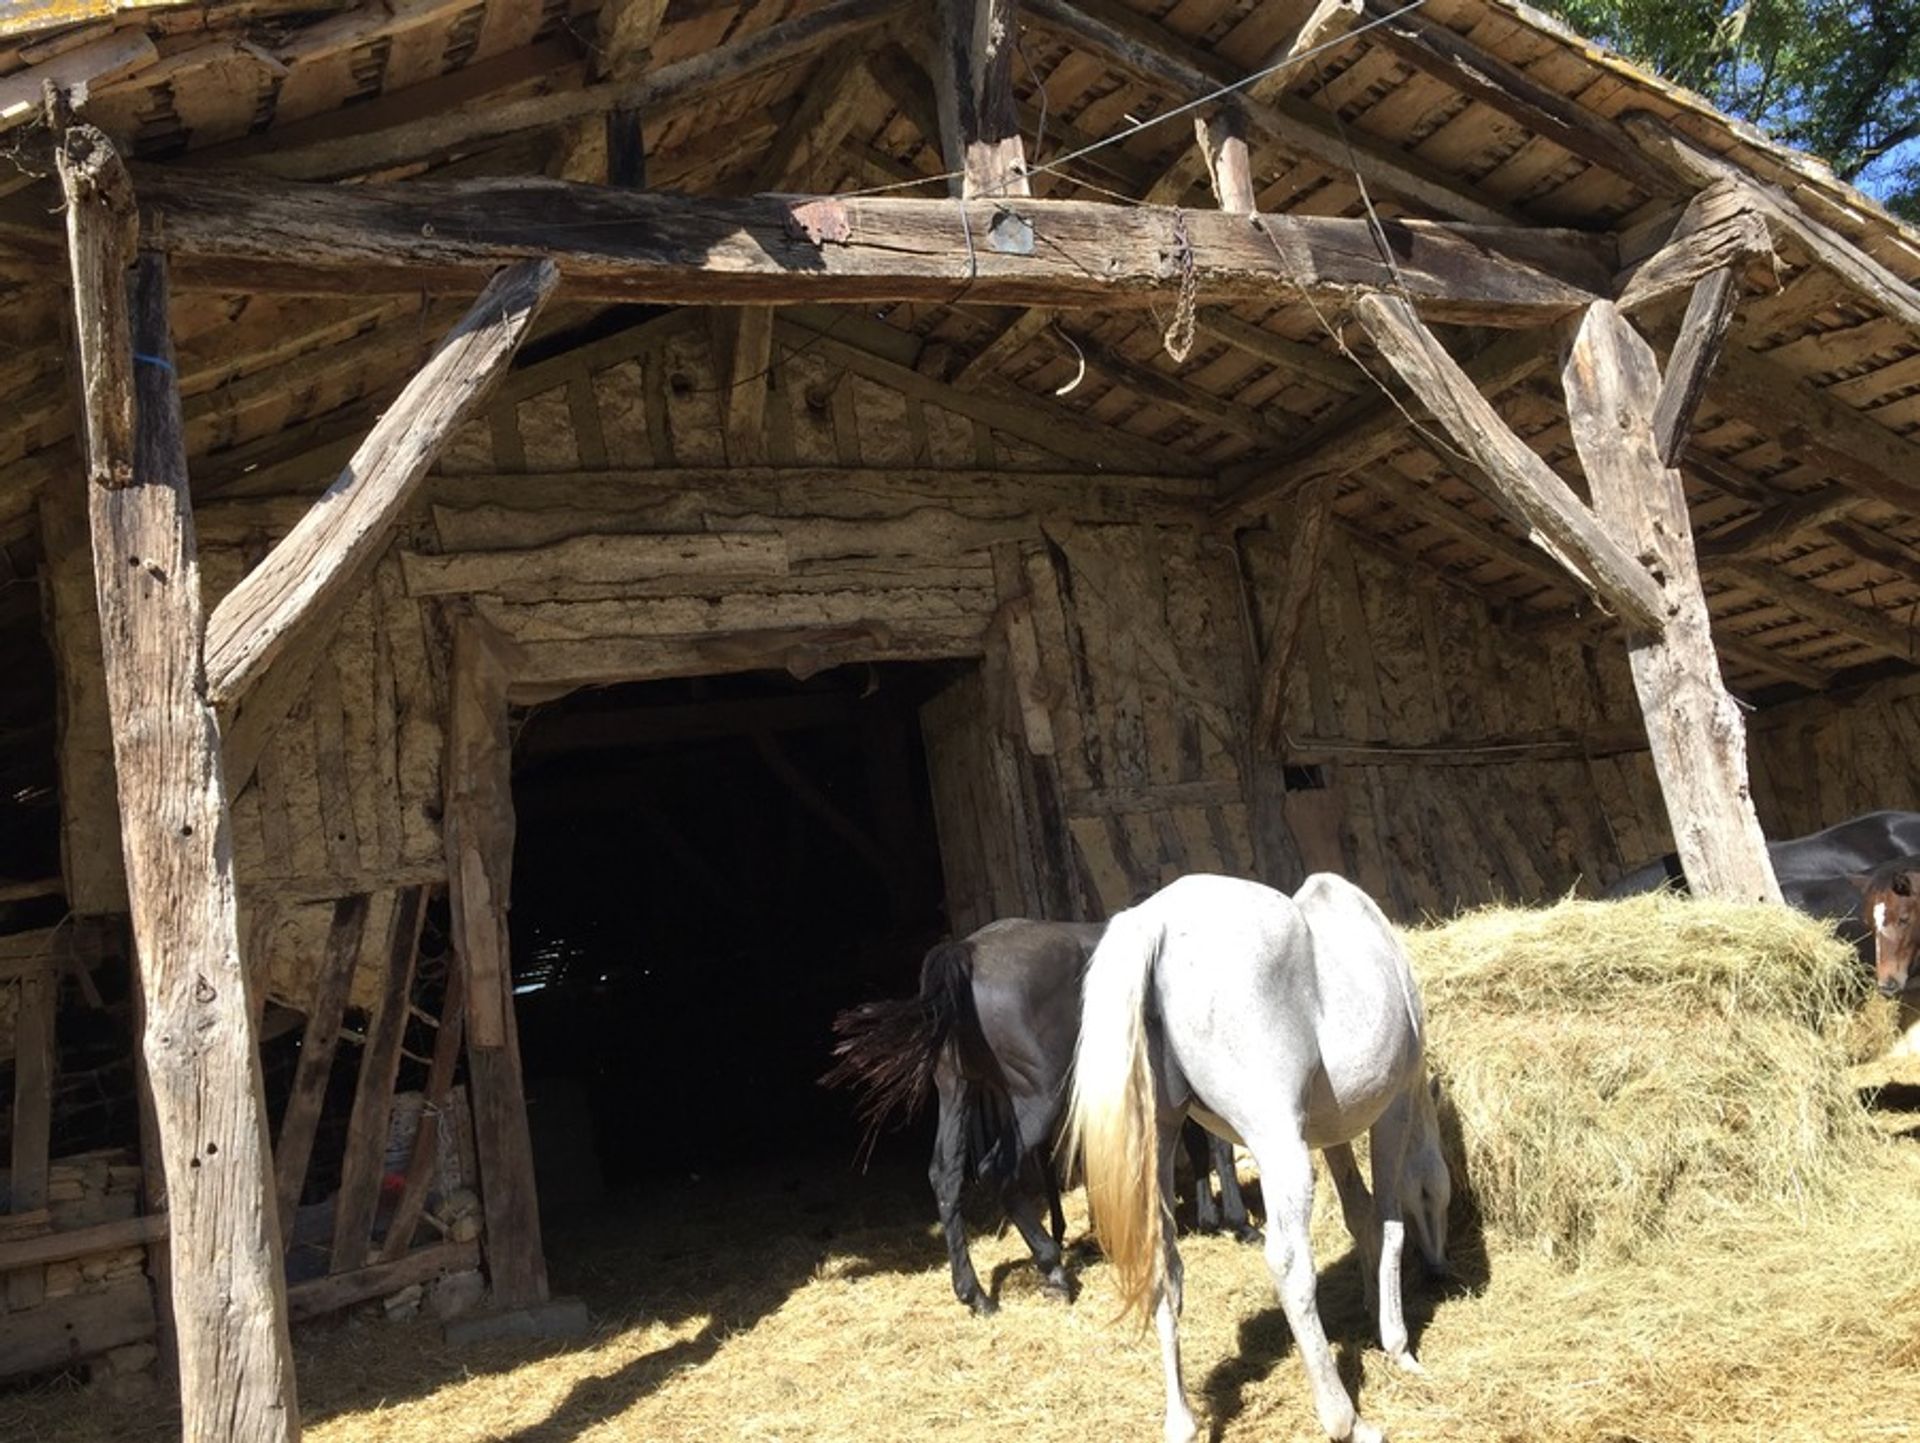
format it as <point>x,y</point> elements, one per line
<point>1861,881</point>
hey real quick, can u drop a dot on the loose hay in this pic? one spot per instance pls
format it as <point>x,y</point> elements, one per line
<point>1743,1271</point>
<point>1622,1068</point>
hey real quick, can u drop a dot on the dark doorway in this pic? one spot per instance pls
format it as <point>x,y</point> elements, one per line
<point>705,872</point>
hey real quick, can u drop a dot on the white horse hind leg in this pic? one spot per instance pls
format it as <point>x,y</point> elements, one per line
<point>1388,1148</point>
<point>1180,1426</point>
<point>1356,1206</point>
<point>1286,1175</point>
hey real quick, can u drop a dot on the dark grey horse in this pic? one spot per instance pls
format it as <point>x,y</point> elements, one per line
<point>992,1030</point>
<point>1816,872</point>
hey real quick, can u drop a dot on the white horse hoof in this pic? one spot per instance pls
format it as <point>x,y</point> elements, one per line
<point>1407,1363</point>
<point>1184,1431</point>
<point>1364,1432</point>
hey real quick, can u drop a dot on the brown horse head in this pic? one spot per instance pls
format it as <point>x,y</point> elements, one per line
<point>1890,904</point>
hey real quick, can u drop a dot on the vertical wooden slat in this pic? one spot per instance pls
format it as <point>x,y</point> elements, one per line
<point>32,1117</point>
<point>479,833</point>
<point>294,1147</point>
<point>367,1127</point>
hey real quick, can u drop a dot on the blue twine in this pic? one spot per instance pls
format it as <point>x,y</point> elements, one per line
<point>161,361</point>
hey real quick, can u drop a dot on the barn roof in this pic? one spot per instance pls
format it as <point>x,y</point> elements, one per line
<point>1800,469</point>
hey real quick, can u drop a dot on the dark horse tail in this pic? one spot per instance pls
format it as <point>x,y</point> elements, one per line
<point>888,1051</point>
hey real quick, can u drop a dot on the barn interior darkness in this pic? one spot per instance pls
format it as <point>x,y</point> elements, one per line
<point>705,871</point>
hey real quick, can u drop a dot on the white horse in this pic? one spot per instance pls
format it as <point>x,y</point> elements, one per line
<point>1285,1024</point>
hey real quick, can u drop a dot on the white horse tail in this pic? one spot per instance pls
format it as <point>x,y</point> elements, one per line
<point>1110,1119</point>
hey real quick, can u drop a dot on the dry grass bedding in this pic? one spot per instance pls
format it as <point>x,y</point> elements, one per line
<point>1681,1228</point>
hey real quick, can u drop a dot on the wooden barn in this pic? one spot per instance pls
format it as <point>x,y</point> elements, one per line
<point>827,473</point>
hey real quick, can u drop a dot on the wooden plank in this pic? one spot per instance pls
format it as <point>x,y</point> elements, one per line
<point>1818,605</point>
<point>1006,343</point>
<point>1312,521</point>
<point>447,1038</point>
<point>78,1326</point>
<point>1695,732</point>
<point>333,981</point>
<point>1721,228</point>
<point>1702,332</point>
<point>121,53</point>
<point>37,1252</point>
<point>33,1079</point>
<point>1322,367</point>
<point>832,101</point>
<point>475,127</point>
<point>366,1147</point>
<point>236,1371</point>
<point>241,233</point>
<point>1520,480</point>
<point>599,560</point>
<point>320,1296</point>
<point>291,598</point>
<point>973,49</point>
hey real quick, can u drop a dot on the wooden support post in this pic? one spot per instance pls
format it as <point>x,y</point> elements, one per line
<point>1694,730</point>
<point>1521,483</point>
<point>446,1055</point>
<point>973,81</point>
<point>1222,139</point>
<point>479,830</point>
<point>745,342</point>
<point>1702,332</point>
<point>366,1149</point>
<point>33,1064</point>
<point>236,1367</point>
<point>1313,519</point>
<point>623,43</point>
<point>153,1196</point>
<point>293,1148</point>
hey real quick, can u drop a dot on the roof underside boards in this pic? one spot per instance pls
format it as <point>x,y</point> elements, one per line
<point>1796,552</point>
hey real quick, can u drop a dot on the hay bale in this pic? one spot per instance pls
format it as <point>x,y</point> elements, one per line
<point>1617,1068</point>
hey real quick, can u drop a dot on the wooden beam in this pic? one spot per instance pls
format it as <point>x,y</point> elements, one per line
<point>1322,367</point>
<point>236,1367</point>
<point>1222,138</point>
<point>1520,480</point>
<point>290,599</point>
<point>745,344</point>
<point>293,1147</point>
<point>473,127</point>
<point>37,1252</point>
<point>1312,520</point>
<point>1702,332</point>
<point>1007,341</point>
<point>1694,729</point>
<point>361,1172</point>
<point>1156,55</point>
<point>1323,26</point>
<point>973,86</point>
<point>479,829</point>
<point>1779,522</point>
<point>236,233</point>
<point>1146,380</point>
<point>1372,428</point>
<point>1430,45</point>
<point>832,101</point>
<point>1817,428</point>
<point>1822,607</point>
<point>320,1296</point>
<point>623,43</point>
<point>1722,228</point>
<point>1892,293</point>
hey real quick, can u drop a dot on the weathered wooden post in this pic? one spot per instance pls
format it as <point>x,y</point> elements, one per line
<point>229,1295</point>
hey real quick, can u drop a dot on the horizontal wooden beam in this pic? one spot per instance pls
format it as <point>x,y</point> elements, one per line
<point>1521,482</point>
<point>1723,228</point>
<point>1157,55</point>
<point>234,233</point>
<point>321,1296</point>
<point>1310,362</point>
<point>34,1252</point>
